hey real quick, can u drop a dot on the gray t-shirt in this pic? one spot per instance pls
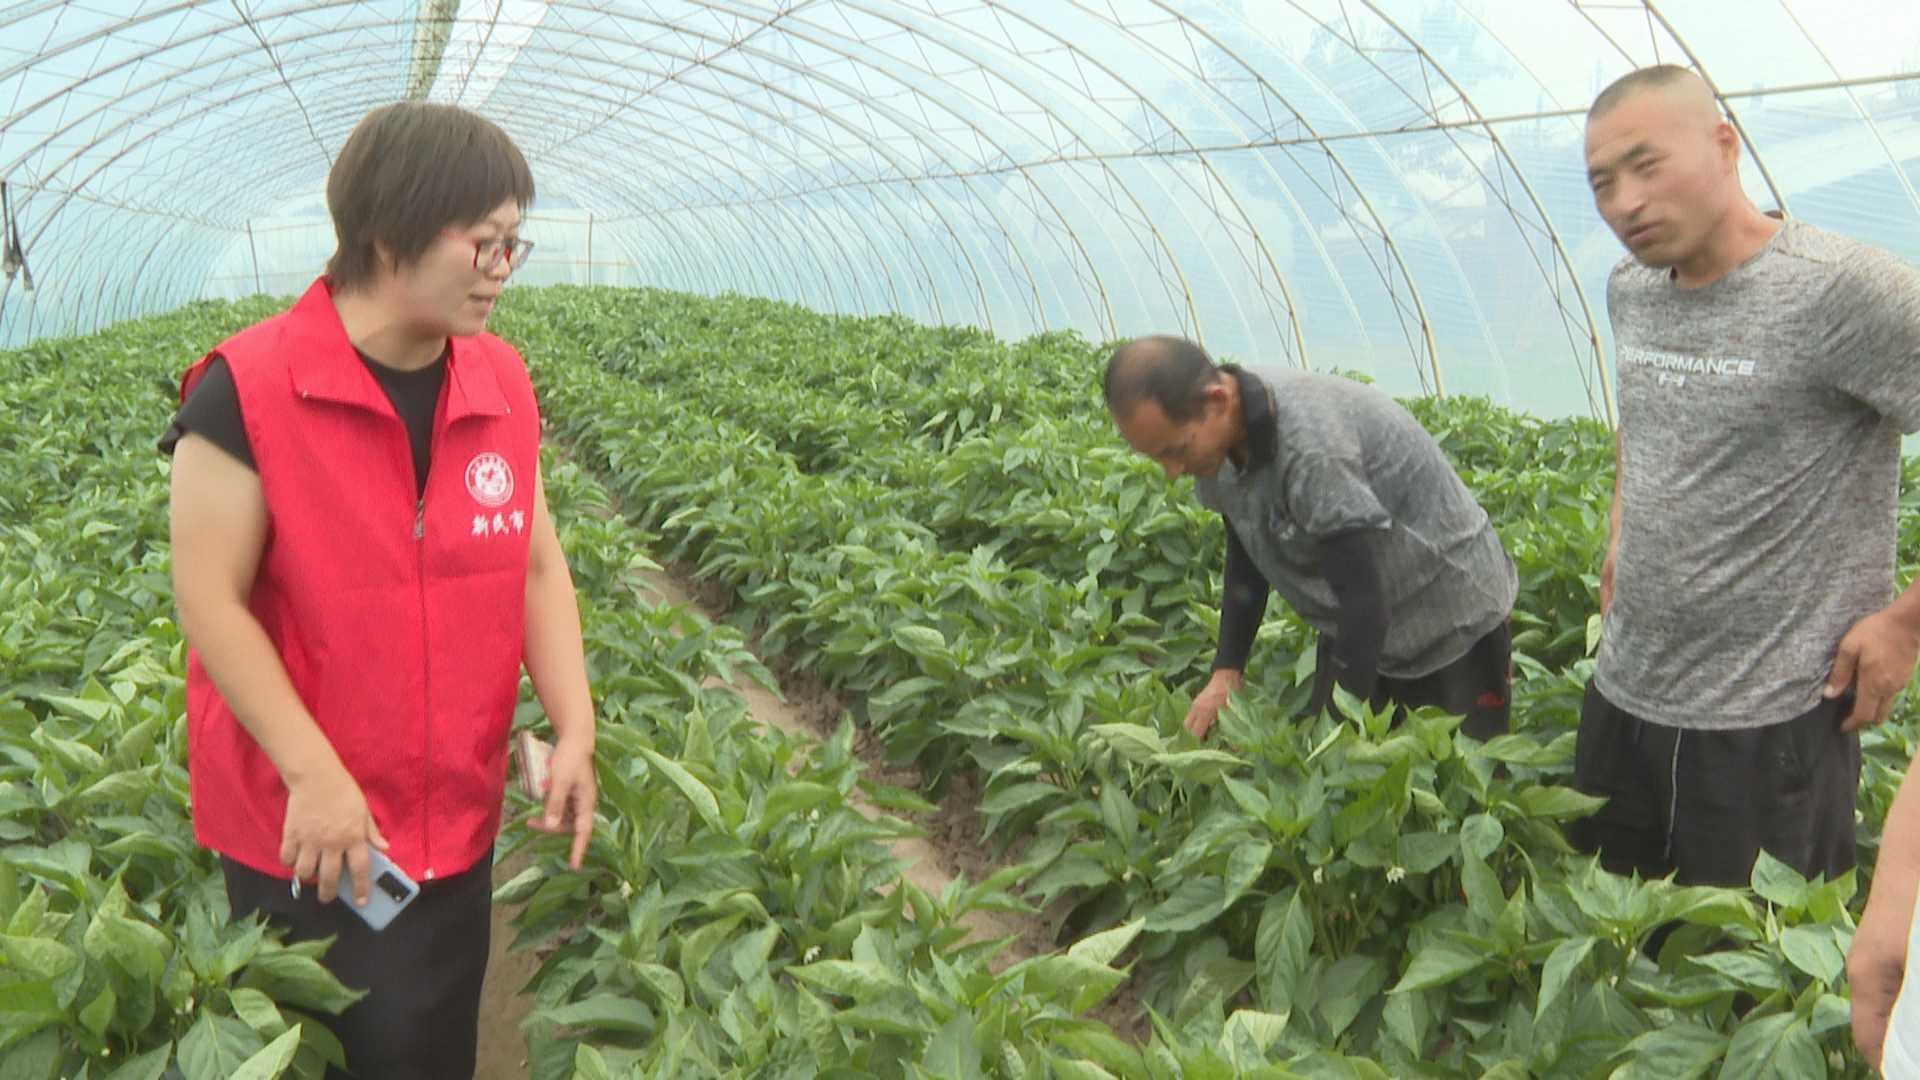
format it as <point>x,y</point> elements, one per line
<point>1349,457</point>
<point>1760,423</point>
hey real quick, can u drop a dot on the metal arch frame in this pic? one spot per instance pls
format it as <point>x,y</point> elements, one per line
<point>202,89</point>
<point>1239,226</point>
<point>1913,195</point>
<point>1558,253</point>
<point>795,222</point>
<point>1350,39</point>
<point>907,176</point>
<point>925,82</point>
<point>171,43</point>
<point>1343,180</point>
<point>814,107</point>
<point>931,91</point>
<point>884,254</point>
<point>129,121</point>
<point>1654,17</point>
<point>1030,84</point>
<point>887,255</point>
<point>729,250</point>
<point>130,147</point>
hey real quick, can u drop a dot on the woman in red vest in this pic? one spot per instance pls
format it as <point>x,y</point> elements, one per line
<point>364,562</point>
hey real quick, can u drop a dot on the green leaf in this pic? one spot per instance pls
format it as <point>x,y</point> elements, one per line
<point>1561,967</point>
<point>291,978</point>
<point>610,1012</point>
<point>920,641</point>
<point>151,1065</point>
<point>589,1064</point>
<point>1281,948</point>
<point>1244,867</point>
<point>216,1047</point>
<point>42,958</point>
<point>97,1015</point>
<point>697,793</point>
<point>273,1059</point>
<point>1812,950</point>
<point>793,798</point>
<point>257,1011</point>
<point>1260,1030</point>
<point>952,1054</point>
<point>1682,1051</point>
<point>1777,1047</point>
<point>1083,982</point>
<point>1485,897</point>
<point>1482,835</point>
<point>1133,742</point>
<point>1069,1069</point>
<point>848,978</point>
<point>1194,904</point>
<point>1555,803</point>
<point>1103,947</point>
<point>1778,883</point>
<point>1438,964</point>
<point>1019,796</point>
<point>1423,852</point>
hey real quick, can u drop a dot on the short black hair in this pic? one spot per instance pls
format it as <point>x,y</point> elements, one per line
<point>1657,77</point>
<point>1171,372</point>
<point>409,170</point>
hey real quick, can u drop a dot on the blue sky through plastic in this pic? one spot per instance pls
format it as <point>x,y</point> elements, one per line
<point>1389,187</point>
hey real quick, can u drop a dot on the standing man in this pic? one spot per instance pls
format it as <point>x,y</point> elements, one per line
<point>1767,370</point>
<point>1334,495</point>
<point>364,561</point>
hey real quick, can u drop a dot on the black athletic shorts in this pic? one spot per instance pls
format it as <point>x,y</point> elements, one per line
<point>1477,686</point>
<point>1705,803</point>
<point>420,1019</point>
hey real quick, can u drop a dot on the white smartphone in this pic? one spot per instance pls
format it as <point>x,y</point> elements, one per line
<point>392,890</point>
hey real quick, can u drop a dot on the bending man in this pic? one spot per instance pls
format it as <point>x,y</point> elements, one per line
<point>1336,497</point>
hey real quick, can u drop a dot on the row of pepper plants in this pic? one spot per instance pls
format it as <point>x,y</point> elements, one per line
<point>945,526</point>
<point>737,915</point>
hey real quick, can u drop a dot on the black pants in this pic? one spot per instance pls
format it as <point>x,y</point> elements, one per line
<point>420,1019</point>
<point>1703,804</point>
<point>1478,686</point>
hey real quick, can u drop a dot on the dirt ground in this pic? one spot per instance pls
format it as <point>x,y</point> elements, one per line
<point>953,846</point>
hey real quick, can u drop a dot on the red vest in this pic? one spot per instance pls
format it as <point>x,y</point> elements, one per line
<point>400,619</point>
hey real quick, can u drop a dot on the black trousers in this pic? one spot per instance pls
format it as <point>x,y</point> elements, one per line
<point>420,1019</point>
<point>1703,804</point>
<point>1478,686</point>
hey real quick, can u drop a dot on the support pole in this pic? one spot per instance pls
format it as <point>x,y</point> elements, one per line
<point>255,252</point>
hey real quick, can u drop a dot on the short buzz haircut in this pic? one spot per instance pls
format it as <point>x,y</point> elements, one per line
<point>1661,77</point>
<point>1171,372</point>
<point>410,170</point>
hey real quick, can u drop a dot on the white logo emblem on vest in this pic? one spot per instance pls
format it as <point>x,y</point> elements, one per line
<point>490,480</point>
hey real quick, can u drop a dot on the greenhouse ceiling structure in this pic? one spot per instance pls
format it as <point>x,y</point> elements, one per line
<point>1388,186</point>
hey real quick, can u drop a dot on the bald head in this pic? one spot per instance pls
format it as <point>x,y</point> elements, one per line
<point>1680,87</point>
<point>1171,372</point>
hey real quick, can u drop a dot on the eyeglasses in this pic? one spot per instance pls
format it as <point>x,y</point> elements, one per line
<point>488,253</point>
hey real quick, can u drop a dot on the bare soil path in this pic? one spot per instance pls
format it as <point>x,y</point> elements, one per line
<point>805,707</point>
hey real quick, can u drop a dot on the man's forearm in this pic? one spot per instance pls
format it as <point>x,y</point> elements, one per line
<point>1877,962</point>
<point>1243,603</point>
<point>1360,629</point>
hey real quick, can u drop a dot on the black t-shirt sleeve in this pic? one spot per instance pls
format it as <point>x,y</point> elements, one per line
<point>1352,568</point>
<point>212,411</point>
<point>1243,602</point>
